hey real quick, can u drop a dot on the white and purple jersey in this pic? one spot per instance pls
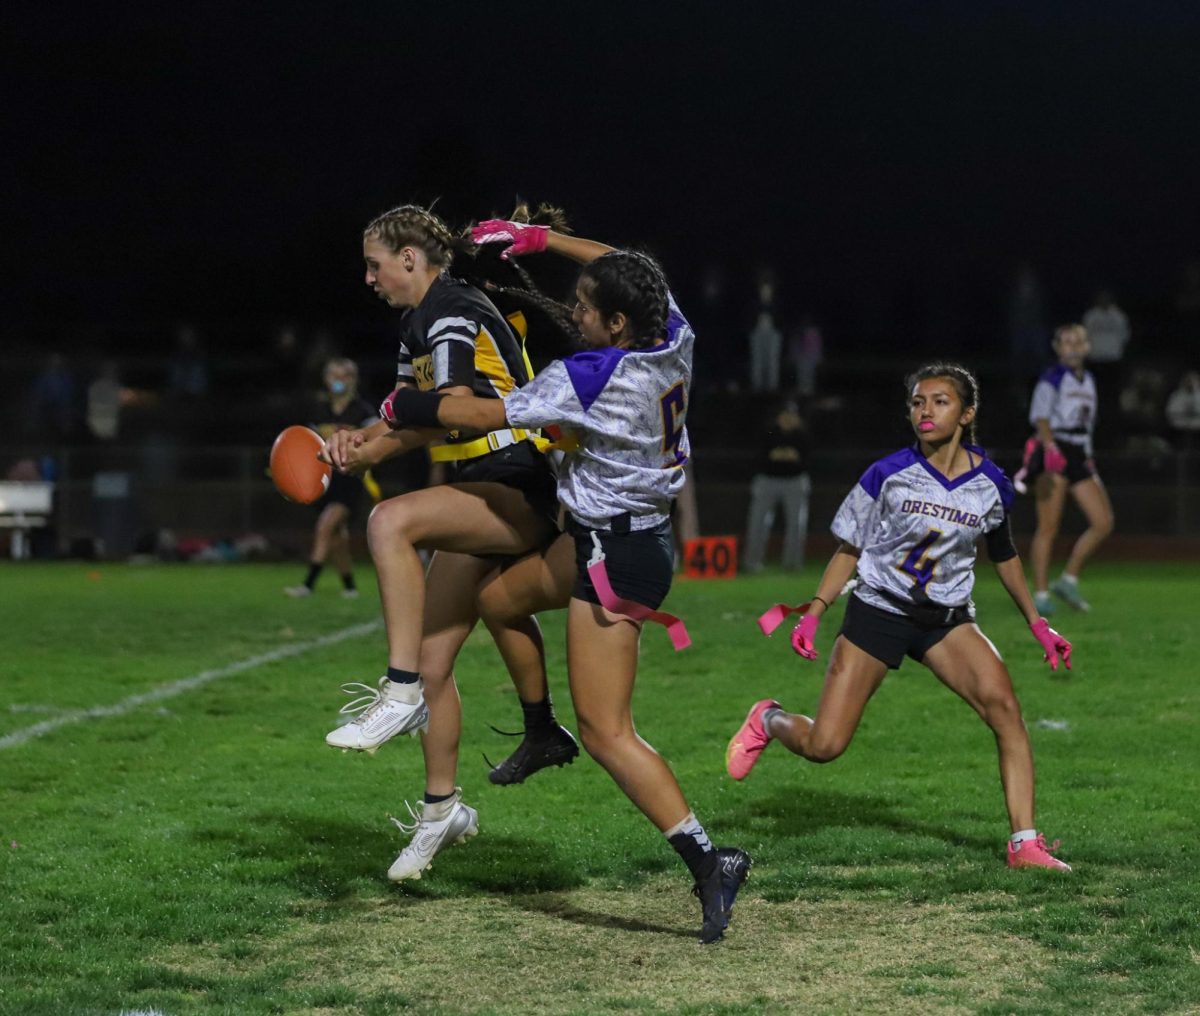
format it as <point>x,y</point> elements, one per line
<point>627,409</point>
<point>917,530</point>
<point>1068,403</point>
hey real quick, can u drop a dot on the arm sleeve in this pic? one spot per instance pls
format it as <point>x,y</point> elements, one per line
<point>452,348</point>
<point>1000,546</point>
<point>547,399</point>
<point>857,518</point>
<point>1041,406</point>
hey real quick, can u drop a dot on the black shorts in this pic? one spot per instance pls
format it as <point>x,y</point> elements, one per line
<point>343,489</point>
<point>640,564</point>
<point>1080,465</point>
<point>890,637</point>
<point>520,466</point>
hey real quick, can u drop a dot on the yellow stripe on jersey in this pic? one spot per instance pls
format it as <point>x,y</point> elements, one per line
<point>521,327</point>
<point>491,365</point>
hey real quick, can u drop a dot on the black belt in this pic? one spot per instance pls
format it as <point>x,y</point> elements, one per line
<point>928,614</point>
<point>617,524</point>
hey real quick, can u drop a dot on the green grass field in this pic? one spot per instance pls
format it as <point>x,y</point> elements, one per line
<point>176,838</point>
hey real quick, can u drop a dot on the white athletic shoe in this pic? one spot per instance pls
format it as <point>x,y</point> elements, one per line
<point>434,826</point>
<point>297,592</point>
<point>383,713</point>
<point>349,594</point>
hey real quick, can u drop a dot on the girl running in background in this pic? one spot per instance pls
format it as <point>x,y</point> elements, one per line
<point>1058,459</point>
<point>341,407</point>
<point>910,527</point>
<point>625,399</point>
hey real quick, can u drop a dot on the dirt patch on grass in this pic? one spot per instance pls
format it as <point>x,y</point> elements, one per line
<point>592,951</point>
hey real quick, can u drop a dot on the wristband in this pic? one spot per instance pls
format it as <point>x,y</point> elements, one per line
<point>410,407</point>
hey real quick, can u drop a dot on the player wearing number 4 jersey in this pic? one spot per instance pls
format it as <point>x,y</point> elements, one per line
<point>910,527</point>
<point>624,397</point>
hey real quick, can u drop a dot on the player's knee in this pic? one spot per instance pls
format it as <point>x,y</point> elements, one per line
<point>823,748</point>
<point>601,741</point>
<point>1002,712</point>
<point>389,521</point>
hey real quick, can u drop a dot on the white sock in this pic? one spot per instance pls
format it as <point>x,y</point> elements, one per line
<point>1071,580</point>
<point>689,825</point>
<point>409,694</point>
<point>1019,837</point>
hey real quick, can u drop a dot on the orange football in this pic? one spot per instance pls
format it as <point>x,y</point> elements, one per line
<point>298,474</point>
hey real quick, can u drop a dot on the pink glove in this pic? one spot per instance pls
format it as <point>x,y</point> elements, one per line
<point>802,636</point>
<point>1054,644</point>
<point>521,237</point>
<point>1031,446</point>
<point>1053,459</point>
<point>387,409</point>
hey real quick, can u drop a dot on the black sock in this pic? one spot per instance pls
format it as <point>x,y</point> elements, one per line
<point>693,845</point>
<point>402,676</point>
<point>539,718</point>
<point>348,581</point>
<point>314,570</point>
<point>437,798</point>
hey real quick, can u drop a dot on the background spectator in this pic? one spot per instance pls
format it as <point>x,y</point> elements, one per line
<point>766,340</point>
<point>1183,407</point>
<point>782,481</point>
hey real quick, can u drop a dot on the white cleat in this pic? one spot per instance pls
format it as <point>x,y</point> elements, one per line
<point>297,592</point>
<point>383,713</point>
<point>435,826</point>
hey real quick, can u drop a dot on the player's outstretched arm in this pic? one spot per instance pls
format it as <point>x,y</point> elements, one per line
<point>525,238</point>
<point>837,573</point>
<point>448,410</point>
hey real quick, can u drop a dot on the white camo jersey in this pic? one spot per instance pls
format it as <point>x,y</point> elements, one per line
<point>917,530</point>
<point>1068,403</point>
<point>627,409</point>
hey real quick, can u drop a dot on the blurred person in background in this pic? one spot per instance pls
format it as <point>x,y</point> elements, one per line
<point>765,339</point>
<point>106,398</point>
<point>781,482</point>
<point>805,353</point>
<point>338,407</point>
<point>1027,328</point>
<point>1058,460</point>
<point>1108,334</point>
<point>1183,407</point>
<point>187,373</point>
<point>1143,419</point>
<point>51,411</point>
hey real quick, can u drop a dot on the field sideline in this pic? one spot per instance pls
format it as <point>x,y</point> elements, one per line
<point>177,839</point>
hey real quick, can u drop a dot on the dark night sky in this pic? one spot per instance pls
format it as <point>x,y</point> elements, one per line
<point>198,160</point>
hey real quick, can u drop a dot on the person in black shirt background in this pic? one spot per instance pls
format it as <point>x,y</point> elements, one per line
<point>781,480</point>
<point>339,407</point>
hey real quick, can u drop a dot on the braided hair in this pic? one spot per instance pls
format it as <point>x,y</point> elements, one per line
<point>631,283</point>
<point>414,226</point>
<point>964,384</point>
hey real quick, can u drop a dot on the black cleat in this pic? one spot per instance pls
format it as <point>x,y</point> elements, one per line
<point>717,892</point>
<point>557,749</point>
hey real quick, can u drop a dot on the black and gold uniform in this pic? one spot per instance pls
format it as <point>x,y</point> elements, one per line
<point>358,412</point>
<point>456,337</point>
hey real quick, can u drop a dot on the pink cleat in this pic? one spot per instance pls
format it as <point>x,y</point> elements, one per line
<point>747,744</point>
<point>1035,854</point>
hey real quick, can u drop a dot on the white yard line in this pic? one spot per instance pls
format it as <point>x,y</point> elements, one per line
<point>184,684</point>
